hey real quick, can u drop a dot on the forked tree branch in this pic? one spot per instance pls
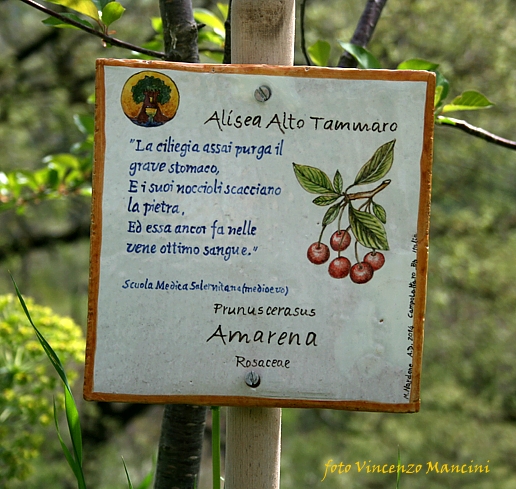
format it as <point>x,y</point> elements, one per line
<point>112,41</point>
<point>364,31</point>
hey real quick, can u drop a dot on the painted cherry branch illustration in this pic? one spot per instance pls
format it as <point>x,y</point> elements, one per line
<point>366,217</point>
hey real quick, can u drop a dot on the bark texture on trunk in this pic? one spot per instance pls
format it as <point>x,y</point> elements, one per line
<point>180,447</point>
<point>179,31</point>
<point>182,429</point>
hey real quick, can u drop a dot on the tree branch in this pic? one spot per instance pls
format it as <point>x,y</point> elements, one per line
<point>179,31</point>
<point>303,38</point>
<point>227,40</point>
<point>182,428</point>
<point>364,30</point>
<point>180,447</point>
<point>28,243</point>
<point>35,46</point>
<point>107,39</point>
<point>476,131</point>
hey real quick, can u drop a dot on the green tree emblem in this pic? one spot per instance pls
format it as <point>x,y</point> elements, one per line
<point>151,92</point>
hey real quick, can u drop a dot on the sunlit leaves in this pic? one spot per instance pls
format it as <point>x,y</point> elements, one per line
<point>204,16</point>
<point>85,7</point>
<point>53,22</point>
<point>156,43</point>
<point>417,64</point>
<point>212,34</point>
<point>112,12</point>
<point>469,100</point>
<point>442,87</point>
<point>85,123</point>
<point>26,383</point>
<point>104,13</point>
<point>320,53</point>
<point>365,58</point>
<point>74,457</point>
<point>62,174</point>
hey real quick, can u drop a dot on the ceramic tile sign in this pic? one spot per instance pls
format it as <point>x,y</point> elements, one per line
<point>259,235</point>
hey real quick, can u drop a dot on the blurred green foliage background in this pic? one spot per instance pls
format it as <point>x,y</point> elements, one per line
<point>469,379</point>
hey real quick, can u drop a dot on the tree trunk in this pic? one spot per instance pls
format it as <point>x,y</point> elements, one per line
<point>179,31</point>
<point>182,429</point>
<point>180,447</point>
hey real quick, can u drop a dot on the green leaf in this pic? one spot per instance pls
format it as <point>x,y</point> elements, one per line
<point>204,16</point>
<point>77,470</point>
<point>337,182</point>
<point>53,22</point>
<point>326,199</point>
<point>417,64</point>
<point>368,229</point>
<point>210,37</point>
<point>442,86</point>
<point>469,100</point>
<point>112,12</point>
<point>217,57</point>
<point>74,425</point>
<point>72,415</point>
<point>223,9</point>
<point>379,212</point>
<point>51,354</point>
<point>313,180</point>
<point>157,24</point>
<point>378,166</point>
<point>438,95</point>
<point>146,483</point>
<point>365,59</point>
<point>331,214</point>
<point>100,4</point>
<point>85,124</point>
<point>320,53</point>
<point>129,483</point>
<point>85,7</point>
<point>52,178</point>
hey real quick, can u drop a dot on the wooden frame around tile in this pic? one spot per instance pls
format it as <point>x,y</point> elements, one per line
<point>422,234</point>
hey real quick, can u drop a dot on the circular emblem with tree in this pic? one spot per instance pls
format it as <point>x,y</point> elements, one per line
<point>150,99</point>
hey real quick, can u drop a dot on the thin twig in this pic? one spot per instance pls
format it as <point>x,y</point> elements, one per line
<point>364,30</point>
<point>107,39</point>
<point>476,131</point>
<point>303,38</point>
<point>227,39</point>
